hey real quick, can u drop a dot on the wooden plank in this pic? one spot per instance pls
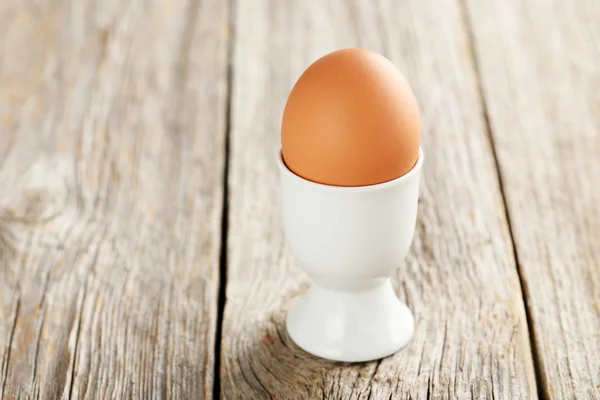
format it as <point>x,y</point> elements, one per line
<point>111,166</point>
<point>539,65</point>
<point>460,279</point>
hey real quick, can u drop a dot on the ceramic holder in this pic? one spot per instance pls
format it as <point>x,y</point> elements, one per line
<point>349,240</point>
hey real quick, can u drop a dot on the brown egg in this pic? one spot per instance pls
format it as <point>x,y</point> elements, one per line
<point>351,120</point>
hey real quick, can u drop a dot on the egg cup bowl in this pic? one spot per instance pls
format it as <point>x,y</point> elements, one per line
<point>349,241</point>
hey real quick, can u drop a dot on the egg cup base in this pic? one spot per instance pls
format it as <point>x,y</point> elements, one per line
<point>350,326</point>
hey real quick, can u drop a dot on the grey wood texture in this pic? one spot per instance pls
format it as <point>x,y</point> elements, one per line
<point>115,118</point>
<point>460,279</point>
<point>112,151</point>
<point>539,64</point>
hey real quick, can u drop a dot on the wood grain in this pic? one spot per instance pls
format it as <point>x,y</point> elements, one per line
<point>112,127</point>
<point>539,66</point>
<point>460,279</point>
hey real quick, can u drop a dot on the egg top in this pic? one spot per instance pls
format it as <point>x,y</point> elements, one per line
<point>351,120</point>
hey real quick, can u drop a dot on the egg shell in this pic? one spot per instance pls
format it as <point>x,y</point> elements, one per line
<point>351,120</point>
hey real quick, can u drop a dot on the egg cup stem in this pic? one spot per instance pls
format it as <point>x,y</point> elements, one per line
<point>353,325</point>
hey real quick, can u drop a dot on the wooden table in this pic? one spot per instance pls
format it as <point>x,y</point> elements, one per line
<point>141,245</point>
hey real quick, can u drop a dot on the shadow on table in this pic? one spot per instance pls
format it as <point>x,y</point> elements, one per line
<point>271,364</point>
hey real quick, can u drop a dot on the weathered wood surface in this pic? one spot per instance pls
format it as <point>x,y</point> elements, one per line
<point>539,64</point>
<point>112,127</point>
<point>460,280</point>
<point>112,155</point>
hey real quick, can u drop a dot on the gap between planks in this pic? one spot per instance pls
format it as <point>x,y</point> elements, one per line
<point>222,285</point>
<point>466,19</point>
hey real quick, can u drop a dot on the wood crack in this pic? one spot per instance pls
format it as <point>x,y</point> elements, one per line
<point>280,337</point>
<point>222,282</point>
<point>428,395</point>
<point>77,333</point>
<point>372,375</point>
<point>166,339</point>
<point>42,306</point>
<point>258,380</point>
<point>443,348</point>
<point>269,370</point>
<point>93,263</point>
<point>37,345</point>
<point>10,342</point>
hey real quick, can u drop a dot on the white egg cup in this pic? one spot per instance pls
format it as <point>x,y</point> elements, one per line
<point>349,240</point>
